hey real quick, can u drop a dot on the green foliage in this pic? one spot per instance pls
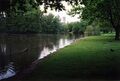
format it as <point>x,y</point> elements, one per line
<point>31,22</point>
<point>25,17</point>
<point>51,24</point>
<point>91,10</point>
<point>18,23</point>
<point>17,6</point>
<point>102,10</point>
<point>77,27</point>
<point>105,27</point>
<point>91,30</point>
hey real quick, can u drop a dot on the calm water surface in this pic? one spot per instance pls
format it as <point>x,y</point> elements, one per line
<point>18,51</point>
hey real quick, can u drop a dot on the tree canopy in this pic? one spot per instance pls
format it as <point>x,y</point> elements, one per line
<point>108,10</point>
<point>102,10</point>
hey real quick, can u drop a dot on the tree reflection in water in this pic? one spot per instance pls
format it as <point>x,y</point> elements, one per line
<point>18,51</point>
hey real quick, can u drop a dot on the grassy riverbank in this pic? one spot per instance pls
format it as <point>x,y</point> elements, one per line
<point>94,57</point>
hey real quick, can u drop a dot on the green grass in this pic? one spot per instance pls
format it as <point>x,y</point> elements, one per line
<point>94,57</point>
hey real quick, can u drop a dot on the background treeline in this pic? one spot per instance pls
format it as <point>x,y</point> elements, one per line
<point>36,22</point>
<point>85,28</point>
<point>31,23</point>
<point>90,10</point>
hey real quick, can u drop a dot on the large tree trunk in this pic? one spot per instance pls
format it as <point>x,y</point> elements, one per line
<point>115,25</point>
<point>117,33</point>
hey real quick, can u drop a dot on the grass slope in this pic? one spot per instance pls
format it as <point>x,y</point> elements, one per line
<point>95,57</point>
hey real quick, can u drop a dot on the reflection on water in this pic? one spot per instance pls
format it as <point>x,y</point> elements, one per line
<point>46,51</point>
<point>18,51</point>
<point>61,43</point>
<point>9,72</point>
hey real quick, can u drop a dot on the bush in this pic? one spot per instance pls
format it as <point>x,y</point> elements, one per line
<point>76,27</point>
<point>90,30</point>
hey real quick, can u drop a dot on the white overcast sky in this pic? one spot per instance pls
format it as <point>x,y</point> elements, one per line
<point>63,14</point>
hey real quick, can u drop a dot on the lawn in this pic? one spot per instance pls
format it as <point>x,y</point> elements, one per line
<point>94,57</point>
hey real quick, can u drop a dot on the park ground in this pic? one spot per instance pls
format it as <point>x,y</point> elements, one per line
<point>90,58</point>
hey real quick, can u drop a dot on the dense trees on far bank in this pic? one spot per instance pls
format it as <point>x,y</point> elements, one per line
<point>18,16</point>
<point>25,16</point>
<point>76,27</point>
<point>31,23</point>
<point>51,25</point>
<point>83,27</point>
<point>36,22</point>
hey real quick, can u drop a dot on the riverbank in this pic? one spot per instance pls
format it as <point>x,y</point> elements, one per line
<point>94,57</point>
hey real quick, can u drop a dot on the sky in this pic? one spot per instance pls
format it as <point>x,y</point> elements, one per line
<point>64,17</point>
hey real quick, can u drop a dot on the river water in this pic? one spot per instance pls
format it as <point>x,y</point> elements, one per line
<point>17,51</point>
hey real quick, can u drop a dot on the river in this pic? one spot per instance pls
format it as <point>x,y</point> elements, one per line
<point>18,51</point>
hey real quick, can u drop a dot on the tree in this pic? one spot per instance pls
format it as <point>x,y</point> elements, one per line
<point>19,16</point>
<point>77,27</point>
<point>106,27</point>
<point>51,24</point>
<point>94,9</point>
<point>4,5</point>
<point>103,10</point>
<point>10,7</point>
